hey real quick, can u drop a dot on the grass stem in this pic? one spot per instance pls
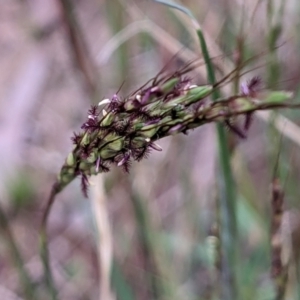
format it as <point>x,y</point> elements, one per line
<point>25,280</point>
<point>227,211</point>
<point>44,250</point>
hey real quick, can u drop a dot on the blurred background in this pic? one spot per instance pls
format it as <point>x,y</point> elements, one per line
<point>153,233</point>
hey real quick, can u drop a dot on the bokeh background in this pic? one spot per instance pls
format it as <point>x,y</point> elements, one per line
<point>153,233</point>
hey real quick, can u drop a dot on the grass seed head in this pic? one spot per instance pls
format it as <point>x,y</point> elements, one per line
<point>127,129</point>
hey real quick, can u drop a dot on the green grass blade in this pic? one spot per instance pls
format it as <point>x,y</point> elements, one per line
<point>209,66</point>
<point>228,230</point>
<point>179,7</point>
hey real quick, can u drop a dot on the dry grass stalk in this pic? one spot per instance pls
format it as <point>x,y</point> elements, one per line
<point>104,241</point>
<point>278,269</point>
<point>81,58</point>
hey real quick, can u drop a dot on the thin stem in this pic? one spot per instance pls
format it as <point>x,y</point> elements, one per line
<point>146,245</point>
<point>44,251</point>
<point>228,228</point>
<point>154,258</point>
<point>279,272</point>
<point>209,66</point>
<point>81,58</point>
<point>104,240</point>
<point>26,282</point>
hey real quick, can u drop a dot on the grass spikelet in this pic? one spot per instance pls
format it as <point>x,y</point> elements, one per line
<point>127,129</point>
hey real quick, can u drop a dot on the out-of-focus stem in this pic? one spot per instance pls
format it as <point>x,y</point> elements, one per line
<point>104,240</point>
<point>145,238</point>
<point>155,264</point>
<point>26,282</point>
<point>44,250</point>
<point>115,13</point>
<point>228,227</point>
<point>278,270</point>
<point>81,57</point>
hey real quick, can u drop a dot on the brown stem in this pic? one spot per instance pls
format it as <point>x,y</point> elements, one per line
<point>278,270</point>
<point>81,57</point>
